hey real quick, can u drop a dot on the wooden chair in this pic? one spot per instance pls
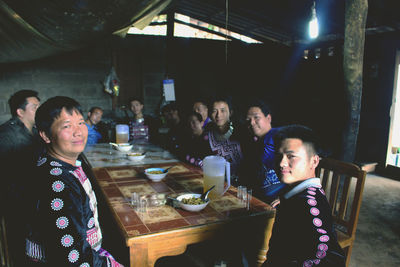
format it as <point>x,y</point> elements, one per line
<point>4,257</point>
<point>343,183</point>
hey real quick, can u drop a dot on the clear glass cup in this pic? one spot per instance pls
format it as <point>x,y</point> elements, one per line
<point>135,199</point>
<point>142,205</point>
<point>249,196</point>
<point>240,190</point>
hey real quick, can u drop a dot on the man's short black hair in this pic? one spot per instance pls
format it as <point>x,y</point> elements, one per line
<point>203,101</point>
<point>259,104</point>
<point>169,107</point>
<point>223,98</point>
<point>94,108</point>
<point>305,134</point>
<point>50,110</point>
<point>18,100</point>
<point>138,99</point>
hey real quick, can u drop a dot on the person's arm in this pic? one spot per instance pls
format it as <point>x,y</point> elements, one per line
<point>66,214</point>
<point>320,244</point>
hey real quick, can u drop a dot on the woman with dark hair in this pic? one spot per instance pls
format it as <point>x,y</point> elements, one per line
<point>223,140</point>
<point>196,147</point>
<point>64,228</point>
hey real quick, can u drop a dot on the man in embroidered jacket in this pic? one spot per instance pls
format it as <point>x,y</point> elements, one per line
<point>303,233</point>
<point>65,229</point>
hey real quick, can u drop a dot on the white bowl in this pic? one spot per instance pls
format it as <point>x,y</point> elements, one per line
<point>155,177</point>
<point>124,147</point>
<point>190,207</point>
<point>135,156</point>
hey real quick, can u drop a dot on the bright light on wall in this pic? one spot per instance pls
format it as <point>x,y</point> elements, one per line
<point>313,29</point>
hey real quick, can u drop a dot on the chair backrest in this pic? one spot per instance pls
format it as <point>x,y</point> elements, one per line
<point>343,184</point>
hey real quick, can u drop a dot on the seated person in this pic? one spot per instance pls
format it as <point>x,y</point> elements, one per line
<point>177,130</point>
<point>94,117</point>
<point>223,140</point>
<point>19,149</point>
<point>201,108</point>
<point>196,147</point>
<point>257,169</point>
<point>303,233</point>
<point>141,127</point>
<point>64,225</point>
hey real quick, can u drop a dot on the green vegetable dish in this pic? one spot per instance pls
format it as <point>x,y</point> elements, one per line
<point>193,201</point>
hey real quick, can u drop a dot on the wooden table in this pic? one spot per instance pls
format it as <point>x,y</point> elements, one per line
<point>165,230</point>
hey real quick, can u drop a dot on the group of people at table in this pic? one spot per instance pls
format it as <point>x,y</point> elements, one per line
<point>51,210</point>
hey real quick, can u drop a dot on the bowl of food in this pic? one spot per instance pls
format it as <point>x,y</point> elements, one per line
<point>124,147</point>
<point>155,174</point>
<point>135,156</point>
<point>192,202</point>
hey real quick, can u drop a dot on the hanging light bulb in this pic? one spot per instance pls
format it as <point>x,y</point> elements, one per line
<point>313,28</point>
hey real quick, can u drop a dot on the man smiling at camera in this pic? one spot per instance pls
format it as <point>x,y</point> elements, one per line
<point>303,233</point>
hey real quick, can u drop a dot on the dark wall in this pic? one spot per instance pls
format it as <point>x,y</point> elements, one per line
<point>309,92</point>
<point>379,74</point>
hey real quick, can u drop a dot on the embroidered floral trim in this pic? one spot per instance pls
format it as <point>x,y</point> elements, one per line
<point>314,211</point>
<point>57,204</point>
<point>317,222</point>
<point>323,247</point>
<point>91,223</point>
<point>320,254</point>
<point>311,192</point>
<point>41,161</point>
<point>55,164</point>
<point>62,222</point>
<point>85,264</point>
<point>312,202</point>
<point>324,238</point>
<point>55,171</point>
<point>308,263</point>
<point>58,186</point>
<point>67,241</point>
<point>73,256</point>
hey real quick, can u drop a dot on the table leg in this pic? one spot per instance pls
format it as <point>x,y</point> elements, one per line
<point>146,255</point>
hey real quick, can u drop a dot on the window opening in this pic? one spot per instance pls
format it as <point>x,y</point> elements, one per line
<point>188,27</point>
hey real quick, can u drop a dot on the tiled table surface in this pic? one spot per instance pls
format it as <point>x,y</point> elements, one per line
<point>118,183</point>
<point>165,230</point>
<point>104,155</point>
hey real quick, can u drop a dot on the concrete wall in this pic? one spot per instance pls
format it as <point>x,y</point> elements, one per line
<point>78,75</point>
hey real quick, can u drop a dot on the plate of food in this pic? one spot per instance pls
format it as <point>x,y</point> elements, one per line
<point>192,202</point>
<point>136,156</point>
<point>155,174</point>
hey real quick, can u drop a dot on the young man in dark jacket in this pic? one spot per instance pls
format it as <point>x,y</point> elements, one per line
<point>303,233</point>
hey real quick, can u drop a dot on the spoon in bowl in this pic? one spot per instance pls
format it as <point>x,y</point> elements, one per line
<point>205,194</point>
<point>167,169</point>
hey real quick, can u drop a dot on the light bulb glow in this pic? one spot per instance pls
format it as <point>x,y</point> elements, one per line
<point>313,28</point>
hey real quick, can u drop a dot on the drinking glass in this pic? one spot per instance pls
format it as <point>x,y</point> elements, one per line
<point>142,205</point>
<point>241,192</point>
<point>249,195</point>
<point>135,199</point>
